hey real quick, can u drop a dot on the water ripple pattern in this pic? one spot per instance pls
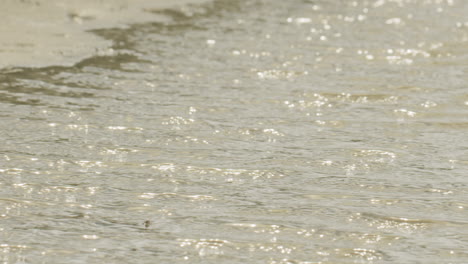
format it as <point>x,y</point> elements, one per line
<point>246,131</point>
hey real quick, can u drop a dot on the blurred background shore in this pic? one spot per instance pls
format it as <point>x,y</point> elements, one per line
<point>38,33</point>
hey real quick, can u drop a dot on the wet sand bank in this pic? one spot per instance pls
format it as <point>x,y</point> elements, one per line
<point>38,33</point>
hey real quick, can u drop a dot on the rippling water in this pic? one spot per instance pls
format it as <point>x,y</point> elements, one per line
<point>246,132</point>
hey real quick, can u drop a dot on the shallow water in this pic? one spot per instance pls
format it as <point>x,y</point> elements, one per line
<point>246,132</point>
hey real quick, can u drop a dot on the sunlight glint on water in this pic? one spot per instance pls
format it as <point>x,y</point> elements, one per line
<point>246,132</point>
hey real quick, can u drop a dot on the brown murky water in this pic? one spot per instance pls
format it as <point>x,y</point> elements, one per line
<point>246,132</point>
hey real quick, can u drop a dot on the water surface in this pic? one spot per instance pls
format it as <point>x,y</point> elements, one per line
<point>246,132</point>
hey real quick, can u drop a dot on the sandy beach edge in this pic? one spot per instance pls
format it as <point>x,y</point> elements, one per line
<point>40,33</point>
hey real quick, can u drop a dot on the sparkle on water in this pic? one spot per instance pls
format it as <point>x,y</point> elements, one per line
<point>246,132</point>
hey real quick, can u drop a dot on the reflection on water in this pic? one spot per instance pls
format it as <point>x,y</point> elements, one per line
<point>246,132</point>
